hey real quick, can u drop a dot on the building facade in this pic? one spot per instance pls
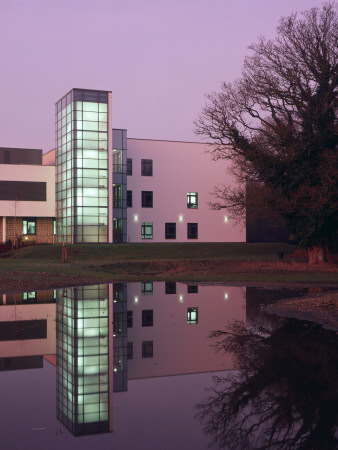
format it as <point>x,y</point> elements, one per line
<point>98,186</point>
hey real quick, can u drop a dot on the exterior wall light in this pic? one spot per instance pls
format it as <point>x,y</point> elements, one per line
<point>181,298</point>
<point>136,299</point>
<point>180,218</point>
<point>135,218</point>
<point>226,296</point>
<point>226,219</point>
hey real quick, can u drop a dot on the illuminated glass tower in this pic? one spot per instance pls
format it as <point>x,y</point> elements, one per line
<point>84,359</point>
<point>83,167</point>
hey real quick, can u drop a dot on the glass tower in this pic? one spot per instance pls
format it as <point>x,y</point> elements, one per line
<point>83,162</point>
<point>83,366</point>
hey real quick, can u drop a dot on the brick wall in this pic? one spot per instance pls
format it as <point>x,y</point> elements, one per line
<point>44,230</point>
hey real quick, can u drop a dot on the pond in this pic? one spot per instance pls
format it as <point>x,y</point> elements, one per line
<point>163,365</point>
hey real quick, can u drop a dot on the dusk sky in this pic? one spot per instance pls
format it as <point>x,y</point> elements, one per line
<point>158,57</point>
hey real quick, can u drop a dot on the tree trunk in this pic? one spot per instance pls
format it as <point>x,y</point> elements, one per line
<point>317,254</point>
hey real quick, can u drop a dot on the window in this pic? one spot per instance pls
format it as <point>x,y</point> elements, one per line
<point>129,166</point>
<point>118,292</point>
<point>129,319</point>
<point>170,287</point>
<point>117,195</point>
<point>147,230</point>
<point>117,324</point>
<point>192,315</point>
<point>170,230</point>
<point>146,167</point>
<point>147,318</point>
<point>147,288</point>
<point>130,350</point>
<point>192,288</point>
<point>129,199</point>
<point>147,349</point>
<point>147,199</point>
<point>29,297</point>
<point>192,200</point>
<point>192,230</point>
<point>54,227</point>
<point>29,226</point>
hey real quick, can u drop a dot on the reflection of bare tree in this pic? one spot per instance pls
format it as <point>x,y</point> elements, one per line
<point>284,396</point>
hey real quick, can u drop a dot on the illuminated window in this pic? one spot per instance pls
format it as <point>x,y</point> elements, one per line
<point>129,199</point>
<point>146,167</point>
<point>29,297</point>
<point>147,288</point>
<point>170,230</point>
<point>54,227</point>
<point>192,230</point>
<point>147,199</point>
<point>147,349</point>
<point>29,226</point>
<point>192,289</point>
<point>192,200</point>
<point>147,318</point>
<point>192,315</point>
<point>170,287</point>
<point>129,166</point>
<point>147,230</point>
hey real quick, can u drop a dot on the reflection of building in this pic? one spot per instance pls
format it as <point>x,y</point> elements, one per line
<point>27,329</point>
<point>169,324</point>
<point>109,188</point>
<point>83,365</point>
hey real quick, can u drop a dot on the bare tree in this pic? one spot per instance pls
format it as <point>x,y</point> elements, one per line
<point>277,123</point>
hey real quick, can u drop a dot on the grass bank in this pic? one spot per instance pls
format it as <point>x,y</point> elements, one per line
<point>41,267</point>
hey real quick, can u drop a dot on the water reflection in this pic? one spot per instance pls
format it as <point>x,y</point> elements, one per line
<point>285,395</point>
<point>99,337</point>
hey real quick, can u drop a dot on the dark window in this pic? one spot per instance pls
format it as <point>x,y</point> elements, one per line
<point>147,230</point>
<point>130,350</point>
<point>117,195</point>
<point>129,319</point>
<point>170,287</point>
<point>23,190</point>
<point>129,199</point>
<point>117,292</point>
<point>147,318</point>
<point>192,315</point>
<point>129,166</point>
<point>192,288</point>
<point>29,225</point>
<point>117,324</point>
<point>170,230</point>
<point>147,199</point>
<point>192,230</point>
<point>147,167</point>
<point>147,349</point>
<point>7,157</point>
<point>147,288</point>
<point>23,329</point>
<point>192,200</point>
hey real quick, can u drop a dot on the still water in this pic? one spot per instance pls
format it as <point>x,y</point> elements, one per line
<point>151,366</point>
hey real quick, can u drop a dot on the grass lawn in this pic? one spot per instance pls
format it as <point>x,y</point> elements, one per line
<point>41,266</point>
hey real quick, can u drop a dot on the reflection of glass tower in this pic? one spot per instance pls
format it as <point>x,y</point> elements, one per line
<point>83,366</point>
<point>83,166</point>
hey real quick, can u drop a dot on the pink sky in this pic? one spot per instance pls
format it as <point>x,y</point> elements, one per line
<point>158,57</point>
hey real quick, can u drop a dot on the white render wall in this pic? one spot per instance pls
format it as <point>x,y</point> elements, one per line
<point>21,172</point>
<point>178,168</point>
